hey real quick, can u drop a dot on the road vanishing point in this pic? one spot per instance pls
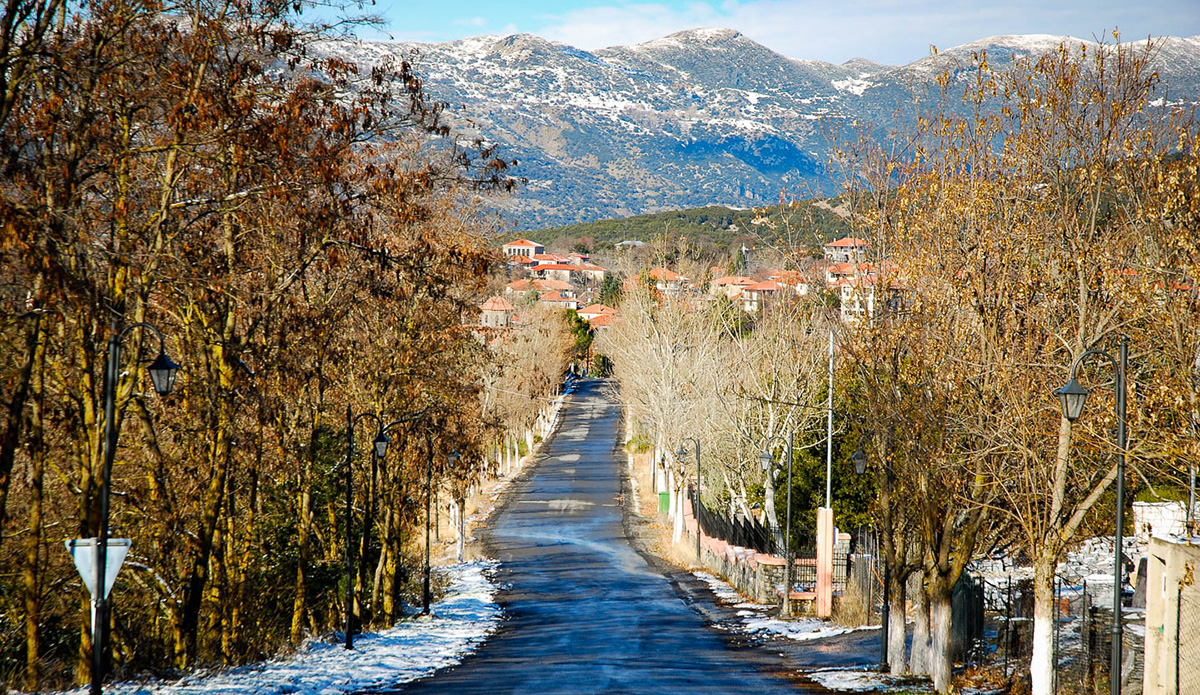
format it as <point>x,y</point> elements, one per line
<point>585,612</point>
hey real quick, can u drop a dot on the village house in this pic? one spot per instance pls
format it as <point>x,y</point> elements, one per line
<point>847,250</point>
<point>564,272</point>
<point>523,248</point>
<point>668,281</point>
<point>540,259</point>
<point>730,285</point>
<point>602,322</point>
<point>537,285</point>
<point>857,298</point>
<point>557,300</point>
<point>792,279</point>
<point>593,311</point>
<point>496,312</point>
<point>755,297</point>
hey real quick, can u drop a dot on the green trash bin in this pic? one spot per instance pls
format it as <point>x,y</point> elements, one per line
<point>664,502</point>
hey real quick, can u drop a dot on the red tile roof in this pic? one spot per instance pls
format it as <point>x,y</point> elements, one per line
<point>665,275</point>
<point>552,284</point>
<point>557,266</point>
<point>788,277</point>
<point>764,286</point>
<point>553,297</point>
<point>497,303</point>
<point>597,309</point>
<point>602,320</point>
<point>520,259</point>
<point>522,242</point>
<point>849,242</point>
<point>739,280</point>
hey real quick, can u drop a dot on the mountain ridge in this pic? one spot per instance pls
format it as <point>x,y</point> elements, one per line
<point>699,117</point>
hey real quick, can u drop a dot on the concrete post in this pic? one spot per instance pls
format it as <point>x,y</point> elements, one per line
<point>825,539</point>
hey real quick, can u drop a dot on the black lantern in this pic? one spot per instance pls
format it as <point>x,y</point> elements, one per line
<point>1072,397</point>
<point>681,455</point>
<point>860,461</point>
<point>162,373</point>
<point>765,459</point>
<point>381,444</point>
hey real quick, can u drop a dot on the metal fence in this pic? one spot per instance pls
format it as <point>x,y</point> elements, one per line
<point>859,573</point>
<point>1082,638</point>
<point>735,531</point>
<point>1187,643</point>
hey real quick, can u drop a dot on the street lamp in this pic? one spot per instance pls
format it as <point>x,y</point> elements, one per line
<point>452,459</point>
<point>859,459</point>
<point>767,461</point>
<point>682,455</point>
<point>162,374</point>
<point>1072,397</point>
<point>378,450</point>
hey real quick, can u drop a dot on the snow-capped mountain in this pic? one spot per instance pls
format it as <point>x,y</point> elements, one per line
<point>700,117</point>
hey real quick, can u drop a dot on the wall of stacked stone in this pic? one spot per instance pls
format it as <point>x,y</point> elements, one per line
<point>754,575</point>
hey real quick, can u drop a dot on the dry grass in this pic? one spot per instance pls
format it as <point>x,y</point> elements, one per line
<point>851,609</point>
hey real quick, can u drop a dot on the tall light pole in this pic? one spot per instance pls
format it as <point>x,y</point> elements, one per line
<point>1072,397</point>
<point>162,374</point>
<point>451,458</point>
<point>682,455</point>
<point>829,432</point>
<point>378,450</point>
<point>767,460</point>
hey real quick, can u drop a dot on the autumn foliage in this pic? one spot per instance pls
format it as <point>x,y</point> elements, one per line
<point>302,232</point>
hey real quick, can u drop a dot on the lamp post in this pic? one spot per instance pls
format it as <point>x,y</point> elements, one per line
<point>767,460</point>
<point>682,455</point>
<point>379,448</point>
<point>451,458</point>
<point>162,374</point>
<point>1072,397</point>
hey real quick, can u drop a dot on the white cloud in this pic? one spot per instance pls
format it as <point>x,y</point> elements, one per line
<point>476,22</point>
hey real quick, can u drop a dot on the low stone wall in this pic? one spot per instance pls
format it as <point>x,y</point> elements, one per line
<point>756,575</point>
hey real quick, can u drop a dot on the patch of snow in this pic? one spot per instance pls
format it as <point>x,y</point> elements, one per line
<point>754,618</point>
<point>854,85</point>
<point>414,648</point>
<point>853,680</point>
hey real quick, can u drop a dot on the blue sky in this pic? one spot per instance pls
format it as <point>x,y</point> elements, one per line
<point>889,31</point>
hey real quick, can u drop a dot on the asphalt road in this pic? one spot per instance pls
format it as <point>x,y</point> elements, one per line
<point>585,613</point>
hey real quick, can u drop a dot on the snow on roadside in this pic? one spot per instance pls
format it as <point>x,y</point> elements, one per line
<point>865,680</point>
<point>755,620</point>
<point>412,649</point>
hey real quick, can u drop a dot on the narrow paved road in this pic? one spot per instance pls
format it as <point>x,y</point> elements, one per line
<point>585,612</point>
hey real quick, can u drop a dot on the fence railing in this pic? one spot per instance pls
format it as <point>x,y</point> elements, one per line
<point>1081,645</point>
<point>740,532</point>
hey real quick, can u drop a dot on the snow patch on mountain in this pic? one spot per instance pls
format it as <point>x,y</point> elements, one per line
<point>853,85</point>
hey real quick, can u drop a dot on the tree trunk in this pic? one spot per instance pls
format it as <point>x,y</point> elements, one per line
<point>33,544</point>
<point>897,646</point>
<point>10,441</point>
<point>919,659</point>
<point>1041,666</point>
<point>303,542</point>
<point>677,535</point>
<point>462,528</point>
<point>939,662</point>
<point>671,496</point>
